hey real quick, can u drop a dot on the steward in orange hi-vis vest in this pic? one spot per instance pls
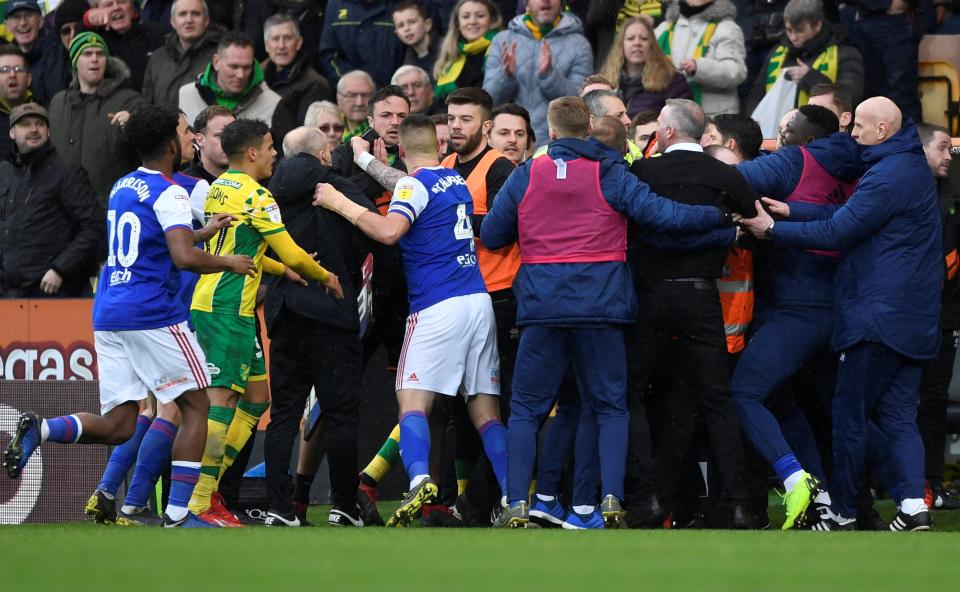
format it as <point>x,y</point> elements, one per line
<point>736,297</point>
<point>499,266</point>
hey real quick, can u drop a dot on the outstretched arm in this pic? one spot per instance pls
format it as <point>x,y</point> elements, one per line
<point>384,229</point>
<point>186,256</point>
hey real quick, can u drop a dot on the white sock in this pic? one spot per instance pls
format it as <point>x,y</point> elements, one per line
<point>176,513</point>
<point>44,430</point>
<point>417,481</point>
<point>912,506</point>
<point>790,482</point>
<point>109,496</point>
<point>822,499</point>
<point>129,509</point>
<point>546,498</point>
<point>583,510</point>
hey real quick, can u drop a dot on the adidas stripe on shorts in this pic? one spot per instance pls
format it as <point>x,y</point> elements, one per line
<point>451,348</point>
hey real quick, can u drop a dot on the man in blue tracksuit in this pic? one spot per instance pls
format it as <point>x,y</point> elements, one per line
<point>886,306</point>
<point>816,169</point>
<point>568,210</point>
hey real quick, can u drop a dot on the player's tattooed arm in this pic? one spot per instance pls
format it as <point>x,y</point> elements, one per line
<point>386,176</point>
<point>378,170</point>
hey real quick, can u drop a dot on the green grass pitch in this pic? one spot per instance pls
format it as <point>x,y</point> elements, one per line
<point>84,556</point>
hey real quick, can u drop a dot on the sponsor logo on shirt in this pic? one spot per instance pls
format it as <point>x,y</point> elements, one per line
<point>404,193</point>
<point>213,370</point>
<point>120,276</point>
<point>228,183</point>
<point>273,210</point>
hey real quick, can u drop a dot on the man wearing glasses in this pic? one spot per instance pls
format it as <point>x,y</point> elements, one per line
<point>416,84</point>
<point>354,90</point>
<point>14,90</point>
<point>48,64</point>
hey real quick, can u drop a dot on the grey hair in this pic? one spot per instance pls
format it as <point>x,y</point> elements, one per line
<point>203,3</point>
<point>686,117</point>
<point>318,107</point>
<point>281,18</point>
<point>594,101</point>
<point>798,11</point>
<point>304,139</point>
<point>404,70</point>
<point>356,74</point>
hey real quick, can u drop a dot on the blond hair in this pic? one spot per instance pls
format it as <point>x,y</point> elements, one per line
<point>569,117</point>
<point>450,47</point>
<point>658,70</point>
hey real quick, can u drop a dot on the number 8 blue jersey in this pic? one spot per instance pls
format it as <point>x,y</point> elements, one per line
<point>139,283</point>
<point>439,256</point>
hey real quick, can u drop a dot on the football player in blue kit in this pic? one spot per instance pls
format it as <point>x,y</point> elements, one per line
<point>141,336</point>
<point>450,345</point>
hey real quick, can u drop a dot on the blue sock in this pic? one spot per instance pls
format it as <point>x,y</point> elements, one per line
<point>494,436</point>
<point>786,465</point>
<point>65,429</point>
<point>183,477</point>
<point>122,458</point>
<point>415,443</point>
<point>154,456</point>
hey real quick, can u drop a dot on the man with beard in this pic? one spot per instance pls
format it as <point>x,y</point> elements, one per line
<point>51,223</point>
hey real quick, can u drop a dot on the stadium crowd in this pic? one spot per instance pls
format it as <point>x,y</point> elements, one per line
<point>640,317</point>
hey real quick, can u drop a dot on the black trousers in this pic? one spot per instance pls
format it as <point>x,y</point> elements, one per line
<point>306,354</point>
<point>685,318</point>
<point>932,412</point>
<point>483,491</point>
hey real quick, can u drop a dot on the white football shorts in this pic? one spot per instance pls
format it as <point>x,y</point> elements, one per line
<point>451,348</point>
<point>166,362</point>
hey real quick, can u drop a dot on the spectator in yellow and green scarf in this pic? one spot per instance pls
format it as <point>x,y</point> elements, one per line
<point>463,53</point>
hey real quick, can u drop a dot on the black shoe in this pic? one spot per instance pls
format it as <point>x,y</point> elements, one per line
<point>944,499</point>
<point>101,508</point>
<point>906,523</point>
<point>138,517</point>
<point>869,519</point>
<point>469,514</point>
<point>340,517</point>
<point>367,501</point>
<point>694,521</point>
<point>440,517</point>
<point>739,518</point>
<point>278,519</point>
<point>645,514</point>
<point>831,525</point>
<point>256,517</point>
<point>814,514</point>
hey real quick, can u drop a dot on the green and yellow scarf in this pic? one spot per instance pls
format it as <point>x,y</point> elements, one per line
<point>209,80</point>
<point>538,31</point>
<point>447,82</point>
<point>826,64</point>
<point>703,46</point>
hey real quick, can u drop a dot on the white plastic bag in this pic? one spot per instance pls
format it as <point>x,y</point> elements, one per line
<point>781,98</point>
